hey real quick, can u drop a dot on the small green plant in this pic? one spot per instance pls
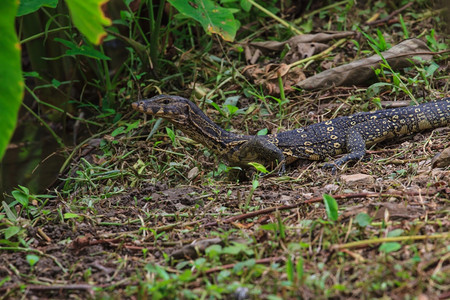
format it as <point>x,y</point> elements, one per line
<point>278,228</point>
<point>433,43</point>
<point>155,233</point>
<point>255,184</point>
<point>32,260</point>
<point>295,273</point>
<point>331,207</point>
<point>363,219</point>
<point>379,44</point>
<point>30,203</point>
<point>172,136</point>
<point>404,28</point>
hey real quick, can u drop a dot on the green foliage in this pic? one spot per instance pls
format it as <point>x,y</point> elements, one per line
<point>89,18</point>
<point>29,6</point>
<point>390,247</point>
<point>11,82</point>
<point>363,219</point>
<point>85,50</point>
<point>213,18</point>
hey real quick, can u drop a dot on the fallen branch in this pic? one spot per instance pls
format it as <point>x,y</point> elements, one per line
<point>315,200</point>
<point>365,243</point>
<point>391,15</point>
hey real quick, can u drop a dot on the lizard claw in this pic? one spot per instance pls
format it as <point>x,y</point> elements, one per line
<point>282,169</point>
<point>331,166</point>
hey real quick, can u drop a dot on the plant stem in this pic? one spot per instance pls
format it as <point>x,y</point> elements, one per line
<point>320,55</point>
<point>281,21</point>
<point>391,239</point>
<point>52,132</point>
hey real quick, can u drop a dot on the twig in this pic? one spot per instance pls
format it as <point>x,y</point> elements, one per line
<point>78,286</point>
<point>390,239</point>
<point>278,19</point>
<point>391,15</point>
<point>314,200</point>
<point>320,55</point>
<point>324,8</point>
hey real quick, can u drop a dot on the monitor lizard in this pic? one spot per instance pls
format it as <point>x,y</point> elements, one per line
<point>347,134</point>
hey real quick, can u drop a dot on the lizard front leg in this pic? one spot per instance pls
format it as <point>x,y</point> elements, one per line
<point>259,149</point>
<point>356,147</point>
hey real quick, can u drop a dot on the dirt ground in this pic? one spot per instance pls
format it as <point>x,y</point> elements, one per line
<point>121,230</point>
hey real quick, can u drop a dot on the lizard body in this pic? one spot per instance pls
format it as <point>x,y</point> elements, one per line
<point>348,134</point>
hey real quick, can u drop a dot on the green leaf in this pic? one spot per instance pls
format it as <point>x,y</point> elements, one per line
<point>11,231</point>
<point>213,18</point>
<point>389,247</point>
<point>213,251</point>
<point>263,131</point>
<point>395,232</point>
<point>4,280</point>
<point>290,269</point>
<point>24,189</point>
<point>84,50</point>
<point>246,5</point>
<point>118,130</point>
<point>363,219</point>
<point>259,167</point>
<point>32,259</point>
<point>89,18</point>
<point>255,184</point>
<point>28,6</point>
<point>231,109</point>
<point>331,207</point>
<point>9,213</point>
<point>11,81</point>
<point>21,197</point>
<point>171,135</point>
<point>299,268</point>
<point>71,216</point>
<point>244,264</point>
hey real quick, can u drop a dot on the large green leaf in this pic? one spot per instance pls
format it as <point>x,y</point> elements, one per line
<point>89,18</point>
<point>28,6</point>
<point>11,82</point>
<point>214,18</point>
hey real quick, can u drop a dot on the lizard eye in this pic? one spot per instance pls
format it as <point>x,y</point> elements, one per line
<point>166,101</point>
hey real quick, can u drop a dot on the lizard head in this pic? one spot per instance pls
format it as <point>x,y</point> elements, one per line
<point>173,108</point>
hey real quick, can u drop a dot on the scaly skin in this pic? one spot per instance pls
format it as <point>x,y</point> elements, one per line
<point>350,134</point>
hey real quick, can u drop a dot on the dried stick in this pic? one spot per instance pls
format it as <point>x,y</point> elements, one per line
<point>365,243</point>
<point>391,15</point>
<point>314,200</point>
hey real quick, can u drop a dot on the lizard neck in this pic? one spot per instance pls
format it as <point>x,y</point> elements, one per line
<point>203,130</point>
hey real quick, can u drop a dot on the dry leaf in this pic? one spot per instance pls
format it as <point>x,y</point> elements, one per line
<point>267,76</point>
<point>301,46</point>
<point>361,71</point>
